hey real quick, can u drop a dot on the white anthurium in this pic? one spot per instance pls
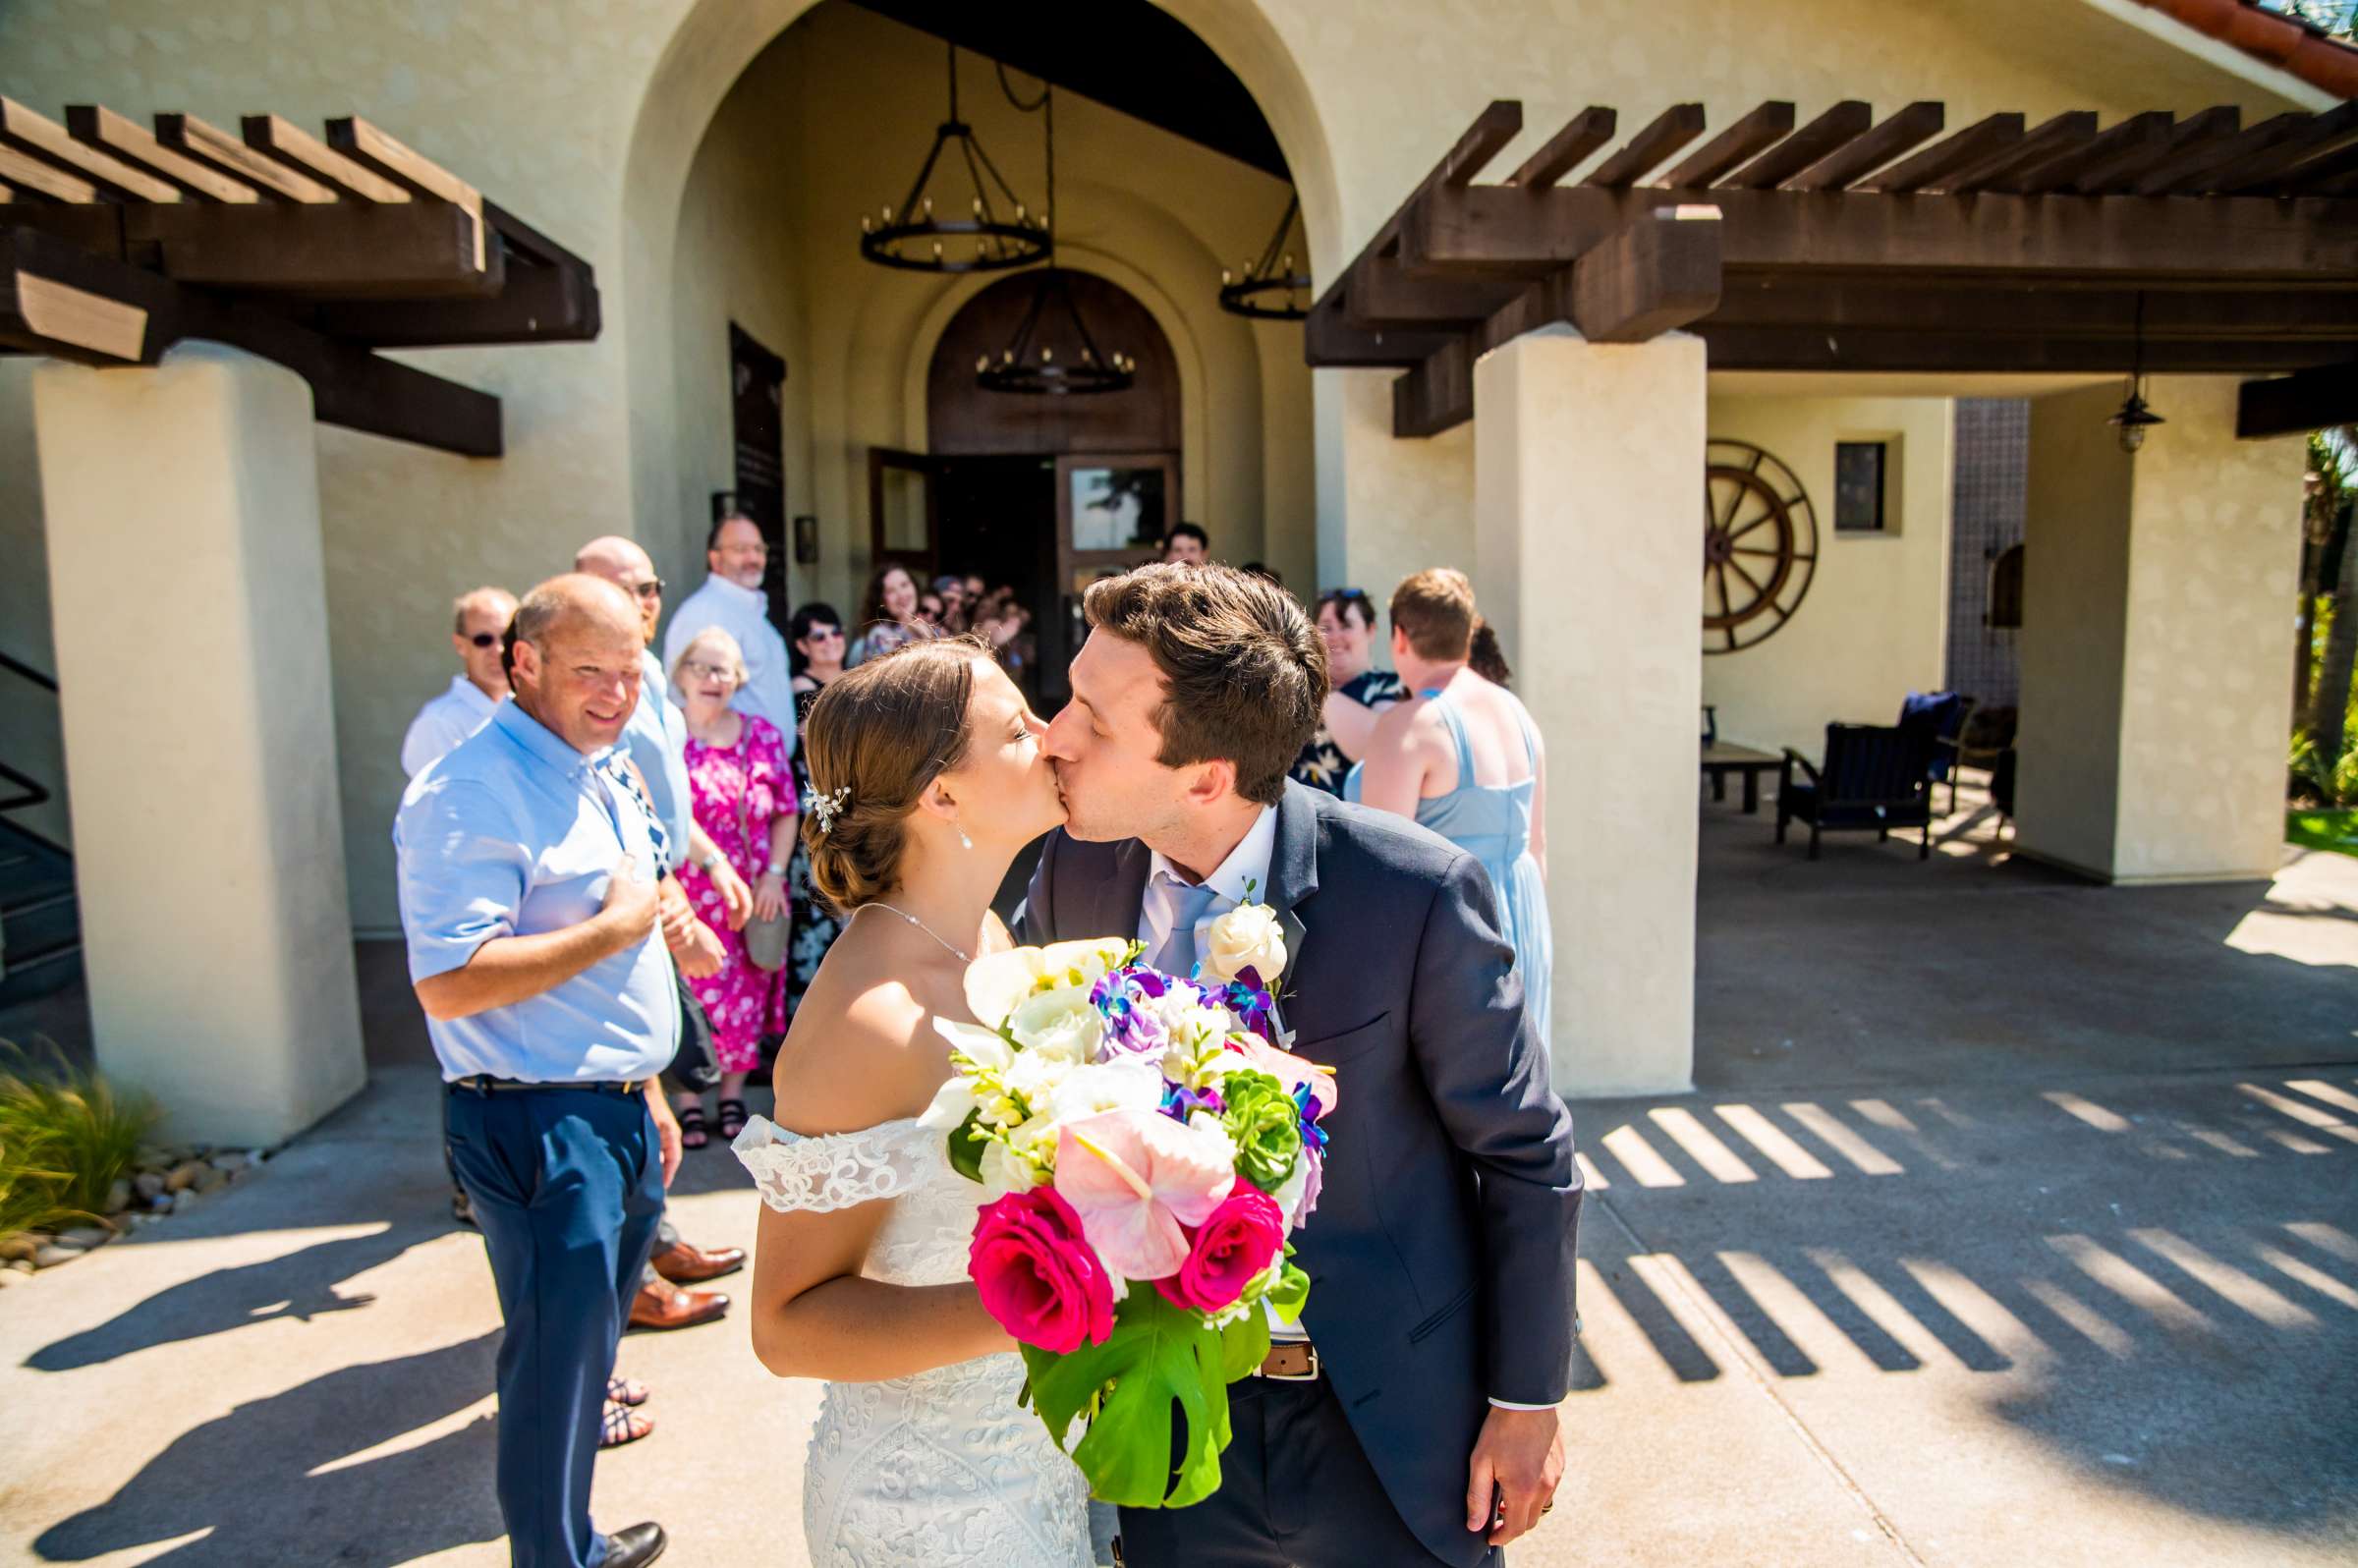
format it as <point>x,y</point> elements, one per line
<point>1129,1084</point>
<point>953,1102</point>
<point>1246,937</point>
<point>1060,1023</point>
<point>983,1051</point>
<point>996,984</point>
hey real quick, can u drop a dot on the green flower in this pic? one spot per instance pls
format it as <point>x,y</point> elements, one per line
<point>1266,1124</point>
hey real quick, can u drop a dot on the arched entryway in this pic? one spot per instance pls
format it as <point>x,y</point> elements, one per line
<point>1038,492</point>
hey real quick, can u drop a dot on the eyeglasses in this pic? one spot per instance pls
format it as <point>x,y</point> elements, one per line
<point>709,672</point>
<point>651,589</point>
<point>485,640</point>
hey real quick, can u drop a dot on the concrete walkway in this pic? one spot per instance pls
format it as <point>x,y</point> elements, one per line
<point>2015,1222</point>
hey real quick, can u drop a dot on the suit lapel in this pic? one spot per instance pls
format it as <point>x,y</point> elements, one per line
<point>1294,876</point>
<point>1118,898</point>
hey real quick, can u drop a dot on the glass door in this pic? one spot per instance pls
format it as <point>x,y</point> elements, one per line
<point>903,521</point>
<point>1112,509</point>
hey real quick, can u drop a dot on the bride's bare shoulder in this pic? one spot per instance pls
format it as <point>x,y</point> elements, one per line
<point>861,1050</point>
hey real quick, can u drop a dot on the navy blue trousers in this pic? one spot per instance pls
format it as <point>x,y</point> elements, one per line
<point>568,1188</point>
<point>1296,1492</point>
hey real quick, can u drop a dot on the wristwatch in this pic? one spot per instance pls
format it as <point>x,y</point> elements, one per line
<point>776,870</point>
<point>711,861</point>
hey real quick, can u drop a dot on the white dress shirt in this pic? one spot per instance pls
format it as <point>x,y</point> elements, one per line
<point>742,613</point>
<point>1244,876</point>
<point>445,722</point>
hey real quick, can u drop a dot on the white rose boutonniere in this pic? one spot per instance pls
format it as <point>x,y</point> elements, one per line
<point>1246,937</point>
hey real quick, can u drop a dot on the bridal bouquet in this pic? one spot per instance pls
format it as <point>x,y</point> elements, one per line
<point>1149,1145</point>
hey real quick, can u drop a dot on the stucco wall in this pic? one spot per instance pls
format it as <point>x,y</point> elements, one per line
<point>584,116</point>
<point>2156,638</point>
<point>1875,622</point>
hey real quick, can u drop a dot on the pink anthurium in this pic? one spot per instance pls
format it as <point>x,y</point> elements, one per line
<point>1135,1177</point>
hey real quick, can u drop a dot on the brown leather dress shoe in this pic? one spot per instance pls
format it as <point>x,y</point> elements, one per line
<point>684,1264</point>
<point>662,1304</point>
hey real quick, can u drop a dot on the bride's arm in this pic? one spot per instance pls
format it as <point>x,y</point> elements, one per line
<point>814,1315</point>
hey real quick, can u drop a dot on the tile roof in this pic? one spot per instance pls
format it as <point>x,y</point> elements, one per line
<point>2293,45</point>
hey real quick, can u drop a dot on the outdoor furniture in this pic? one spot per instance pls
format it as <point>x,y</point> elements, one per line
<point>1720,760</point>
<point>1987,736</point>
<point>1940,716</point>
<point>1874,776</point>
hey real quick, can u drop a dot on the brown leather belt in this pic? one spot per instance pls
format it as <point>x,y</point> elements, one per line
<point>1290,1361</point>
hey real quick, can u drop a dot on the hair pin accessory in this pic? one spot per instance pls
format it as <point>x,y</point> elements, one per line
<point>824,808</point>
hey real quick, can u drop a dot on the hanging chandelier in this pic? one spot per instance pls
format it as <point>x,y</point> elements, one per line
<point>994,234</point>
<point>1030,364</point>
<point>1270,289</point>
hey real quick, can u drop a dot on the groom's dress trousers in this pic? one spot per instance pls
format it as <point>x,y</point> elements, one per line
<point>1441,1251</point>
<point>517,834</point>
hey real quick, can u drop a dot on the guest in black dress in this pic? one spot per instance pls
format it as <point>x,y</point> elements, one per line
<point>816,645</point>
<point>1358,690</point>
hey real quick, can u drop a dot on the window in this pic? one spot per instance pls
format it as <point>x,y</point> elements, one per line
<point>1858,483</point>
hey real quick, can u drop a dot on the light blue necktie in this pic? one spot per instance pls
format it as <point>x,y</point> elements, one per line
<point>1188,906</point>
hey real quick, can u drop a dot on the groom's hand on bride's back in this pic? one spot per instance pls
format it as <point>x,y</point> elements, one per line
<point>1518,1460</point>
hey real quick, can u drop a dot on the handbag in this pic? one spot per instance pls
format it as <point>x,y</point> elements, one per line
<point>766,937</point>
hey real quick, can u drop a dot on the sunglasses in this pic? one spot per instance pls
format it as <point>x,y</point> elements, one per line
<point>651,589</point>
<point>485,640</point>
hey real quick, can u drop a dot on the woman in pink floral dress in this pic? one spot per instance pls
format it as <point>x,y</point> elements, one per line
<point>741,783</point>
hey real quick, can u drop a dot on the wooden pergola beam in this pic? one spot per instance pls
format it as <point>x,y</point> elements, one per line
<point>210,145</point>
<point>2110,175</point>
<point>122,138</point>
<point>43,138</point>
<point>1736,347</point>
<point>59,299</point>
<point>1945,157</point>
<point>1860,157</point>
<point>2295,405</point>
<point>1561,153</point>
<point>2065,133</point>
<point>349,250</point>
<point>1763,128</point>
<point>1805,147</point>
<point>1650,149</point>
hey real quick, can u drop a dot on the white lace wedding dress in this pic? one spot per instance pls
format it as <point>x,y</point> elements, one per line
<point>943,1468</point>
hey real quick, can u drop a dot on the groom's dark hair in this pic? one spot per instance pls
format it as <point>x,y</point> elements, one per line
<point>1244,670</point>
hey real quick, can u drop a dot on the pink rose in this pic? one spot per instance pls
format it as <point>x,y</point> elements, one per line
<point>1037,1278</point>
<point>1235,1243</point>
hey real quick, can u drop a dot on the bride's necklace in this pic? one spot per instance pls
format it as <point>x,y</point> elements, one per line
<point>957,953</point>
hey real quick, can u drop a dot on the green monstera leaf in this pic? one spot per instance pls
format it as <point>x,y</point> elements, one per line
<point>1159,1359</point>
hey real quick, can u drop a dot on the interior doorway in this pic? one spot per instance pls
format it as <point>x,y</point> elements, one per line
<point>1040,493</point>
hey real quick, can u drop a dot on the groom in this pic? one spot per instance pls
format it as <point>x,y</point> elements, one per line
<point>1417,1421</point>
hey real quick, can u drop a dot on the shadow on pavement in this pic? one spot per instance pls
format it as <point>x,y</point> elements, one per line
<point>302,1284</point>
<point>264,1479</point>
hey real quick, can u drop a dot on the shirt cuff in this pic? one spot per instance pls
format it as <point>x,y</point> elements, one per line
<point>1508,1404</point>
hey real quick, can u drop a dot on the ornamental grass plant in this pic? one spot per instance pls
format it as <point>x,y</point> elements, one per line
<point>66,1136</point>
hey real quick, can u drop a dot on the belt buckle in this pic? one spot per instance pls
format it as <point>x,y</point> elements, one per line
<point>1310,1377</point>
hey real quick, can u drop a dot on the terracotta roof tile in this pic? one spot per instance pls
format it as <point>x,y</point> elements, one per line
<point>2321,61</point>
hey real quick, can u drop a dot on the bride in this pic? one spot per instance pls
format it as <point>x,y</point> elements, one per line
<point>928,776</point>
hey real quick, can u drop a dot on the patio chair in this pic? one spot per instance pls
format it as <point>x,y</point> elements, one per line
<point>1875,776</point>
<point>1943,716</point>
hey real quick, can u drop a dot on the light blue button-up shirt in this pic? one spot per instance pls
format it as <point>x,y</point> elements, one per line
<point>656,738</point>
<point>515,833</point>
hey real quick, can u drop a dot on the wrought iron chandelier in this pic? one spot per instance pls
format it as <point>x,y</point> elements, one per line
<point>996,233</point>
<point>1029,365</point>
<point>1270,289</point>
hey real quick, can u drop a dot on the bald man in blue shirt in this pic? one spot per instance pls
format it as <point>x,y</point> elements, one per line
<point>542,930</point>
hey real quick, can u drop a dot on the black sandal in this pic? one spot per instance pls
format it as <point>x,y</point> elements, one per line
<point>692,1128</point>
<point>623,1425</point>
<point>731,1118</point>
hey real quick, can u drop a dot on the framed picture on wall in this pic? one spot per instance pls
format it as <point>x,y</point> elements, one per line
<point>806,542</point>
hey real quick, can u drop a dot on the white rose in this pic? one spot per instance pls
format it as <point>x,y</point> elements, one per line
<point>1246,937</point>
<point>1126,1084</point>
<point>1036,1074</point>
<point>1060,1023</point>
<point>997,984</point>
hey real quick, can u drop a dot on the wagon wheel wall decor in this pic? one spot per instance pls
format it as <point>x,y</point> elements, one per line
<point>1760,545</point>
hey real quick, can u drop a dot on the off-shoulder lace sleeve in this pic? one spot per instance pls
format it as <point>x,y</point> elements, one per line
<point>838,1170</point>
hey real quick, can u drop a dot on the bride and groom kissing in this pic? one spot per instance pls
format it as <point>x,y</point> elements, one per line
<point>1412,1419</point>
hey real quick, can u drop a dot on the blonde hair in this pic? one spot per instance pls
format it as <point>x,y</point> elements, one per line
<point>715,638</point>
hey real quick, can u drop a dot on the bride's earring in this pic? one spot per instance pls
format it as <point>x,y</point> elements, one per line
<point>963,841</point>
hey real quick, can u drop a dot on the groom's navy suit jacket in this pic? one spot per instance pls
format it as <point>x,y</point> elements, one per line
<point>1442,1253</point>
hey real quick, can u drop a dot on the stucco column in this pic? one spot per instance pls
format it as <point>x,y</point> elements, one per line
<point>188,593</point>
<point>2155,635</point>
<point>1587,468</point>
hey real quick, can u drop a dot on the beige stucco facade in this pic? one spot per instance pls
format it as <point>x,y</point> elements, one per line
<point>711,165</point>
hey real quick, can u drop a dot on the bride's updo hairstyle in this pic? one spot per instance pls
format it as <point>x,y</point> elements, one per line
<point>881,731</point>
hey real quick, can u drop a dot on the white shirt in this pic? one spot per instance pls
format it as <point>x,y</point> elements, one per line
<point>742,613</point>
<point>445,722</point>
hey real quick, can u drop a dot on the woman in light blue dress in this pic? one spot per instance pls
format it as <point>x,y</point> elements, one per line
<point>1464,759</point>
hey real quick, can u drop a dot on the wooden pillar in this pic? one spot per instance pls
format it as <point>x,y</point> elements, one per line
<point>190,624</point>
<point>1588,475</point>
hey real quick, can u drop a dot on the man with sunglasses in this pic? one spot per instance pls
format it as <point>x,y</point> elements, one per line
<point>479,620</point>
